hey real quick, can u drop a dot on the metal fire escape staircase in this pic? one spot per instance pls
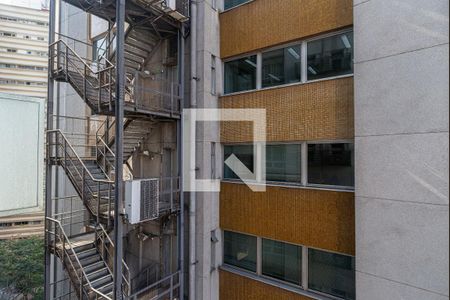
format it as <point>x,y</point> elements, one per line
<point>88,258</point>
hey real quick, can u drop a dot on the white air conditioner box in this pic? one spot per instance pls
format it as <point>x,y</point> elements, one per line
<point>142,200</point>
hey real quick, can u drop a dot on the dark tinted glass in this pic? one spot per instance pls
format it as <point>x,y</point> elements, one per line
<point>332,274</point>
<point>331,164</point>
<point>240,250</point>
<point>283,163</point>
<point>282,261</point>
<point>240,75</point>
<point>232,3</point>
<point>332,56</point>
<point>244,153</point>
<point>281,66</point>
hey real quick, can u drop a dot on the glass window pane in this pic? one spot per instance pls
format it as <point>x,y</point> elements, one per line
<point>244,153</point>
<point>283,163</point>
<point>281,66</point>
<point>232,3</point>
<point>331,164</point>
<point>240,250</point>
<point>240,75</point>
<point>282,261</point>
<point>332,56</point>
<point>333,274</point>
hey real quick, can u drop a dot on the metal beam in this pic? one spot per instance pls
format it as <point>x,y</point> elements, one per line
<point>48,166</point>
<point>181,223</point>
<point>119,114</point>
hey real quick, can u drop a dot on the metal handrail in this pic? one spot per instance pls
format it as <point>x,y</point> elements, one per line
<point>78,158</point>
<point>77,261</point>
<point>170,278</point>
<point>81,59</point>
<point>126,274</point>
<point>93,193</point>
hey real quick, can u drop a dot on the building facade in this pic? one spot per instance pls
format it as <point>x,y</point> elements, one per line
<point>23,50</point>
<point>356,199</point>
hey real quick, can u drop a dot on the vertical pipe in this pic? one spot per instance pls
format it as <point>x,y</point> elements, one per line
<point>48,167</point>
<point>119,114</point>
<point>181,74</point>
<point>192,173</point>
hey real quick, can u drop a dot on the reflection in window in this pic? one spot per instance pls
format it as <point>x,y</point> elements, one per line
<point>240,250</point>
<point>282,261</point>
<point>330,273</point>
<point>283,163</point>
<point>332,56</point>
<point>98,48</point>
<point>331,164</point>
<point>232,3</point>
<point>281,66</point>
<point>244,153</point>
<point>240,75</point>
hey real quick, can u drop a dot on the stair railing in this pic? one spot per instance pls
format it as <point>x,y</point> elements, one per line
<point>87,186</point>
<point>105,247</point>
<point>64,249</point>
<point>63,59</point>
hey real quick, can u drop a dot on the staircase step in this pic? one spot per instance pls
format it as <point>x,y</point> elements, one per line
<point>90,260</point>
<point>94,267</point>
<point>87,253</point>
<point>140,44</point>
<point>102,281</point>
<point>98,274</point>
<point>84,247</point>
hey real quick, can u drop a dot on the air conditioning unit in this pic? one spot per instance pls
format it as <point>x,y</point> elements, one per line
<point>142,200</point>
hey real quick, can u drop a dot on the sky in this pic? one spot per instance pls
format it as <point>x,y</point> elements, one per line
<point>26,3</point>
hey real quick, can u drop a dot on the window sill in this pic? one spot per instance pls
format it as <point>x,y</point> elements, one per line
<point>285,86</point>
<point>299,186</point>
<point>275,283</point>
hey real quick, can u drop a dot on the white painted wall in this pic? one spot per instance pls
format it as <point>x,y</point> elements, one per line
<point>22,154</point>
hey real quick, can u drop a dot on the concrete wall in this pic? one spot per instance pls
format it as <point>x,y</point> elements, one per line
<point>208,254</point>
<point>401,111</point>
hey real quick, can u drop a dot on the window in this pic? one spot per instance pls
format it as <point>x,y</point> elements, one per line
<point>332,274</point>
<point>240,75</point>
<point>328,273</point>
<point>325,57</point>
<point>332,56</point>
<point>213,75</point>
<point>240,250</point>
<point>282,261</point>
<point>281,66</point>
<point>98,48</point>
<point>327,164</point>
<point>233,3</point>
<point>331,164</point>
<point>283,163</point>
<point>244,153</point>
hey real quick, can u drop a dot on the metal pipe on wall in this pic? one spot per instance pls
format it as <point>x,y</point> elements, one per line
<point>192,167</point>
<point>181,69</point>
<point>119,114</point>
<point>48,166</point>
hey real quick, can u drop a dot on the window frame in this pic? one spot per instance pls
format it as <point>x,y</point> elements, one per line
<point>223,9</point>
<point>303,43</point>
<point>304,184</point>
<point>303,288</point>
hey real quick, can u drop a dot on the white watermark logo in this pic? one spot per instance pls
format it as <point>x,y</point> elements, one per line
<point>256,180</point>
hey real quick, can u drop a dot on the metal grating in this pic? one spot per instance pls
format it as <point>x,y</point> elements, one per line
<point>149,199</point>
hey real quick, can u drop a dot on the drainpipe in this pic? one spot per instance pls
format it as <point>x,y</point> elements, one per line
<point>192,175</point>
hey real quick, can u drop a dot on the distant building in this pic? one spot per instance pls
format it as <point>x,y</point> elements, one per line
<point>23,50</point>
